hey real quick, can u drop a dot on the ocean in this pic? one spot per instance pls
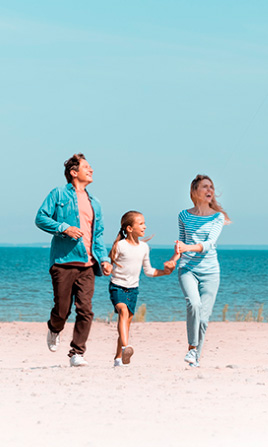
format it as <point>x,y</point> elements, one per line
<point>26,291</point>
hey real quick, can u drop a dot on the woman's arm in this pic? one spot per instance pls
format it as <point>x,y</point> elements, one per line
<point>214,233</point>
<point>181,247</point>
<point>209,243</point>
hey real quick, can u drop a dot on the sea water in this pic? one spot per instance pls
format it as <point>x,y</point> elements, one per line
<point>26,291</point>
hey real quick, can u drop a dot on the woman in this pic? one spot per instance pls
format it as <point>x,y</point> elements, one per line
<point>199,272</point>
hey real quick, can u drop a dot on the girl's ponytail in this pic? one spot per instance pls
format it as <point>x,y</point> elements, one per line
<point>112,253</point>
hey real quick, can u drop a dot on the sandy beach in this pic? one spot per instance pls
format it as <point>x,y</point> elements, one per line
<point>156,401</point>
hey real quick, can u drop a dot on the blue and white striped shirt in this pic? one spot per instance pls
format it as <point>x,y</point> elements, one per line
<point>203,230</point>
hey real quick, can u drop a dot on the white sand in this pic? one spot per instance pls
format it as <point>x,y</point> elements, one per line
<point>156,401</point>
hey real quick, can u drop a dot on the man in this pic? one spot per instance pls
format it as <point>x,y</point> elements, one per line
<point>77,254</point>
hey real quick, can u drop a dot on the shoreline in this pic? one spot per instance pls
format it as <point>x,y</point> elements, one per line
<point>151,402</point>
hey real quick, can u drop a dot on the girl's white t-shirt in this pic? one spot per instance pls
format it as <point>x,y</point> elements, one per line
<point>131,258</point>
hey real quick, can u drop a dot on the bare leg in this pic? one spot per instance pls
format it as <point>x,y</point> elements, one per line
<point>124,320</point>
<point>191,347</point>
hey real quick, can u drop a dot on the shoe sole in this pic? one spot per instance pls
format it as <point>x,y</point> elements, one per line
<point>189,361</point>
<point>194,365</point>
<point>53,348</point>
<point>127,354</point>
<point>79,366</point>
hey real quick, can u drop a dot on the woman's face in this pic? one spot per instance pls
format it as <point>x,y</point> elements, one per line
<point>205,191</point>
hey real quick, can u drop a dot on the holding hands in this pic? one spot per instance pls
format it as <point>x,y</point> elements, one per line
<point>180,247</point>
<point>169,266</point>
<point>106,268</point>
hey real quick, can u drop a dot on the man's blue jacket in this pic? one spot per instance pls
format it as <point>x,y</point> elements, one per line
<point>60,211</point>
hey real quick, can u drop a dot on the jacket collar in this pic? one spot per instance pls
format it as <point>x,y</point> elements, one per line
<point>70,187</point>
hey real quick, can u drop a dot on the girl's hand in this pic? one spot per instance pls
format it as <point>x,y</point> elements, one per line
<point>169,266</point>
<point>106,268</point>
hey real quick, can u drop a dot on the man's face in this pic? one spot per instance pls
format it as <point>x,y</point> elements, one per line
<point>84,173</point>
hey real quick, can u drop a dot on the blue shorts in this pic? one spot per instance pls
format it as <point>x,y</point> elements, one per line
<point>128,296</point>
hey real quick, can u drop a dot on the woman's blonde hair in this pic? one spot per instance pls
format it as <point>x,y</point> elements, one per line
<point>126,220</point>
<point>213,204</point>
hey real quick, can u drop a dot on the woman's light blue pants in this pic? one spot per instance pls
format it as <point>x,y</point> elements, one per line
<point>200,292</point>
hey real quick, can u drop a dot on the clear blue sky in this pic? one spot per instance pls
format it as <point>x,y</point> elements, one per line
<point>153,92</point>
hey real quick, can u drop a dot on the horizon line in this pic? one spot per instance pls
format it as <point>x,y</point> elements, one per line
<point>163,246</point>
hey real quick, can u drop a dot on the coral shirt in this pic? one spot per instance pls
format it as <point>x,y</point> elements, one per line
<point>86,223</point>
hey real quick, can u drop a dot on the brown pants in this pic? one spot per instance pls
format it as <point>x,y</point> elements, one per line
<point>72,283</point>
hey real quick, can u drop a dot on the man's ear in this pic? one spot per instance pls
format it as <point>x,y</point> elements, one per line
<point>73,173</point>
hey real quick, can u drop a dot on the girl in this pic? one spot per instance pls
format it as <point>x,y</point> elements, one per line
<point>128,255</point>
<point>199,229</point>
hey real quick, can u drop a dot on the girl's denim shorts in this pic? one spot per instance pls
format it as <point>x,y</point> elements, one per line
<point>119,294</point>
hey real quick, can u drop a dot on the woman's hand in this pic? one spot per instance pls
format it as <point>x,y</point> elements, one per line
<point>180,247</point>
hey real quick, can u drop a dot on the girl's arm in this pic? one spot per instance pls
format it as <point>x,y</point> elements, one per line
<point>152,272</point>
<point>168,268</point>
<point>176,256</point>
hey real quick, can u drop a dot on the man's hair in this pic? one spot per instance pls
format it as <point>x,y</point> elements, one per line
<point>72,165</point>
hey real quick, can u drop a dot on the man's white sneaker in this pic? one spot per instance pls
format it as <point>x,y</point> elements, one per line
<point>53,341</point>
<point>78,360</point>
<point>127,352</point>
<point>118,362</point>
<point>191,356</point>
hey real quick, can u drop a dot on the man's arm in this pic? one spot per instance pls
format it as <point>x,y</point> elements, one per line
<point>44,218</point>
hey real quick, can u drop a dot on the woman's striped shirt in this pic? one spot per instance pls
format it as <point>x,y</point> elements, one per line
<point>203,230</point>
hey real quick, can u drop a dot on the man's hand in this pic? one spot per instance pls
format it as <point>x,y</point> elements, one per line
<point>74,232</point>
<point>106,268</point>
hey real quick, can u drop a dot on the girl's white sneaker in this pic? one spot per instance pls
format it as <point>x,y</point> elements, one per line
<point>118,362</point>
<point>127,353</point>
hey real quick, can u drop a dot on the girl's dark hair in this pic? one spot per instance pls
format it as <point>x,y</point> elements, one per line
<point>213,204</point>
<point>126,220</point>
<point>72,165</point>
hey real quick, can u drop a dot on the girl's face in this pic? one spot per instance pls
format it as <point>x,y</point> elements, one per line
<point>137,229</point>
<point>205,191</point>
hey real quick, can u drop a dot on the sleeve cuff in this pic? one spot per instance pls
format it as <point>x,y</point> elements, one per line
<point>207,245</point>
<point>62,227</point>
<point>105,259</point>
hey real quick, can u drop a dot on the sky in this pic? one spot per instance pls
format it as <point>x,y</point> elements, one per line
<point>152,92</point>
